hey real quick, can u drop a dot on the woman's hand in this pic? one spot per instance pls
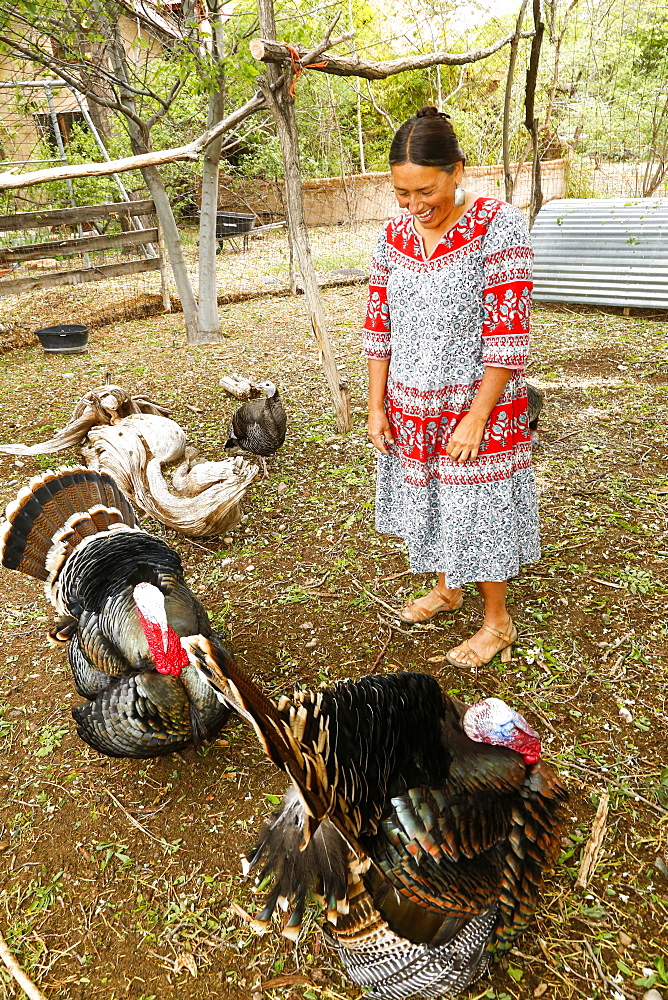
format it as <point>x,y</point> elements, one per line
<point>464,443</point>
<point>379,430</point>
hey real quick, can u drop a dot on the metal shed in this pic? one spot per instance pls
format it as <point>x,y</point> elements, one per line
<point>602,251</point>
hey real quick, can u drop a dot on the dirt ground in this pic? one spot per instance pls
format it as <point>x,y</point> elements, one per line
<point>118,879</point>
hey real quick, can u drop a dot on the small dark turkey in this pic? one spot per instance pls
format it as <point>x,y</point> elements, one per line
<point>423,826</point>
<point>535,400</point>
<point>259,425</point>
<point>123,603</point>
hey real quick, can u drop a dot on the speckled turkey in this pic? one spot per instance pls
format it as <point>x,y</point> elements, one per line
<point>122,603</point>
<point>259,425</point>
<point>424,826</point>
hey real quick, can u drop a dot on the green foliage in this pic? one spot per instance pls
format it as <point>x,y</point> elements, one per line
<point>602,103</point>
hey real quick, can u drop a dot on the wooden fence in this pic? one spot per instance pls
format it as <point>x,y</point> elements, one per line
<point>128,213</point>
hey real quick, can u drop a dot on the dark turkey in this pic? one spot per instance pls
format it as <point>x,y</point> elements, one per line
<point>123,603</point>
<point>535,400</point>
<point>424,826</point>
<point>259,425</point>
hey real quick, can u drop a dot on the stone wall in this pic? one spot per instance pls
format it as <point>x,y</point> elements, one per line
<point>332,201</point>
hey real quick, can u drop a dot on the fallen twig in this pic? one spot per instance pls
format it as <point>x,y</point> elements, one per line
<point>373,597</point>
<point>615,645</point>
<point>607,983</point>
<point>541,715</point>
<point>617,784</point>
<point>383,651</point>
<point>135,822</point>
<point>593,846</point>
<point>564,436</point>
<point>18,974</point>
<point>607,583</point>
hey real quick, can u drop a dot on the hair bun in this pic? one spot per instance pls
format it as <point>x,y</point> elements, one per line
<point>429,111</point>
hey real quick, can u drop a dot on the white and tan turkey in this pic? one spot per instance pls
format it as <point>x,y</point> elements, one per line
<point>133,439</point>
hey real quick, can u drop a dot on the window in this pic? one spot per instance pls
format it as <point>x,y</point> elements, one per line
<point>66,119</point>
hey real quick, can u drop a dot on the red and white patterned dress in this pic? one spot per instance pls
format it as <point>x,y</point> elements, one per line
<point>441,320</point>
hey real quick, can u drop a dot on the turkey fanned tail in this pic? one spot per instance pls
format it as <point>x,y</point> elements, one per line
<point>76,531</point>
<point>54,513</point>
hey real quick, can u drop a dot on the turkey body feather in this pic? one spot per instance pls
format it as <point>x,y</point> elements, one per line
<point>426,846</point>
<point>76,531</point>
<point>259,425</point>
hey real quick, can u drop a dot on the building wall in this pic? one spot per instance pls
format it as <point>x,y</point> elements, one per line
<point>19,134</point>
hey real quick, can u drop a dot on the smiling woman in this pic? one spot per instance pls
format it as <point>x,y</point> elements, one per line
<point>447,335</point>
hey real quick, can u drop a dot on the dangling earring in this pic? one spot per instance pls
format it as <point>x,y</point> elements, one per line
<point>460,197</point>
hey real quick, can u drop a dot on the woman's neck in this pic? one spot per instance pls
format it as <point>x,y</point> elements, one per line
<point>432,237</point>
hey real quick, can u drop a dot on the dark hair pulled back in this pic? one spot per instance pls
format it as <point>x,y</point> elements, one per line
<point>428,140</point>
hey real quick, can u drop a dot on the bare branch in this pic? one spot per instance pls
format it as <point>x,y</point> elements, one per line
<point>280,52</point>
<point>315,53</point>
<point>372,101</point>
<point>69,70</point>
<point>11,179</point>
<point>17,972</point>
<point>73,80</point>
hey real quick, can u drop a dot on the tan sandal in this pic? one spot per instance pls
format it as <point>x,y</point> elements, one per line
<point>420,614</point>
<point>474,660</point>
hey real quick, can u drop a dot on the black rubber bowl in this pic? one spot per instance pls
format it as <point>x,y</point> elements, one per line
<point>67,338</point>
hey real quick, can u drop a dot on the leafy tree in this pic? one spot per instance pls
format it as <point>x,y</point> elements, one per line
<point>84,45</point>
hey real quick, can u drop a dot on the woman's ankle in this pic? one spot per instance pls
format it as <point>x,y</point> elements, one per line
<point>501,621</point>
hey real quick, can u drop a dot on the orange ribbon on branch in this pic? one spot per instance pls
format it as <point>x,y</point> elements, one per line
<point>297,68</point>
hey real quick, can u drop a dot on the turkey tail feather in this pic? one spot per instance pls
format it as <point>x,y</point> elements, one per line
<point>54,513</point>
<point>235,687</point>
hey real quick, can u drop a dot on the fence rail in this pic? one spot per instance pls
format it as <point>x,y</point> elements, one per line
<point>125,212</point>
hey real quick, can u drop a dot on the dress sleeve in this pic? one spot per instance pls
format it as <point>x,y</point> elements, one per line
<point>508,259</point>
<point>376,331</point>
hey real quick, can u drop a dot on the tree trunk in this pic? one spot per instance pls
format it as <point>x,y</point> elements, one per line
<point>281,102</point>
<point>140,140</point>
<point>512,59</point>
<point>209,319</point>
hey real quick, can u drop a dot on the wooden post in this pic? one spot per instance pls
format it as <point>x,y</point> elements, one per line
<point>277,94</point>
<point>164,277</point>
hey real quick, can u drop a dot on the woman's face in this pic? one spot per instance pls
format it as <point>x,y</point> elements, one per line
<point>427,192</point>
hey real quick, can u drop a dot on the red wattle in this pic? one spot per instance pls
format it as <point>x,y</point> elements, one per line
<point>167,661</point>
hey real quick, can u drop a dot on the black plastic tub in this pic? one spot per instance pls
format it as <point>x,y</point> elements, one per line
<point>67,338</point>
<point>233,223</point>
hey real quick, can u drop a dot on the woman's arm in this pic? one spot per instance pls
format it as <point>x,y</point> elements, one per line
<point>464,442</point>
<point>379,426</point>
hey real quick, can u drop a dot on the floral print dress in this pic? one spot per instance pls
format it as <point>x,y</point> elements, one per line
<point>440,320</point>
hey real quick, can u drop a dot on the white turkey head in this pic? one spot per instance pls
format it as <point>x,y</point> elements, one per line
<point>163,642</point>
<point>268,387</point>
<point>492,721</point>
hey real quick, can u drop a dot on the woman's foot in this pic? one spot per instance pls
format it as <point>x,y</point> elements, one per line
<point>482,647</point>
<point>432,604</point>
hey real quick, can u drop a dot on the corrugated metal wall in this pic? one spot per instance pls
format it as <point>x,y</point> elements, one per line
<point>611,251</point>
